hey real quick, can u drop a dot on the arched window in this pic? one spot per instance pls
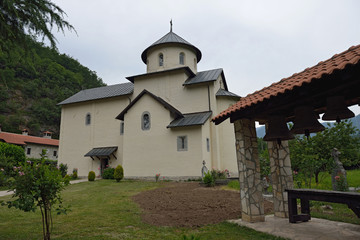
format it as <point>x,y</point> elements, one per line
<point>161,59</point>
<point>145,121</point>
<point>88,119</point>
<point>182,58</point>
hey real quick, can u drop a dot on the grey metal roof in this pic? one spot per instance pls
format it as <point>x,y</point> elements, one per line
<point>169,107</point>
<point>205,76</point>
<point>171,37</point>
<point>191,119</point>
<point>223,93</point>
<point>101,152</point>
<point>100,93</point>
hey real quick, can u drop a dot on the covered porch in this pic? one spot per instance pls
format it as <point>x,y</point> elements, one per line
<point>103,155</point>
<point>317,89</point>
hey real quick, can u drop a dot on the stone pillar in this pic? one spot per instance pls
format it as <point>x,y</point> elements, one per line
<point>252,202</point>
<point>281,176</point>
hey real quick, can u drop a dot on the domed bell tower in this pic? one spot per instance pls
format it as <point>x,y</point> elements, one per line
<point>169,52</point>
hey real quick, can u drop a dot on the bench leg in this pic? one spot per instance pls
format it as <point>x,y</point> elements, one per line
<point>305,209</point>
<point>292,209</point>
<point>356,209</point>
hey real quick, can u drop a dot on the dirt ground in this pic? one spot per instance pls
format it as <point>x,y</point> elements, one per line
<point>185,204</point>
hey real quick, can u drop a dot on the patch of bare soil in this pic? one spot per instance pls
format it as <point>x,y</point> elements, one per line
<point>190,205</point>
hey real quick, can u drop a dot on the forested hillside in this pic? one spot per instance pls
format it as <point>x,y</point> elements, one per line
<point>33,81</point>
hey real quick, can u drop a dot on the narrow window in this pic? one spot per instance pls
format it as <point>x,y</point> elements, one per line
<point>195,63</point>
<point>208,144</point>
<point>28,151</point>
<point>55,153</point>
<point>182,143</point>
<point>161,59</point>
<point>182,58</point>
<point>145,121</point>
<point>122,128</point>
<point>88,119</point>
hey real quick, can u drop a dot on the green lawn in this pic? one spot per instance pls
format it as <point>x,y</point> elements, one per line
<point>104,210</point>
<point>353,179</point>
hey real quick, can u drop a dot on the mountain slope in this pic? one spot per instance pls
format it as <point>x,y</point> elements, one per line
<point>32,82</point>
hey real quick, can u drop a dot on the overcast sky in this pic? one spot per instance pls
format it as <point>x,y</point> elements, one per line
<point>255,42</point>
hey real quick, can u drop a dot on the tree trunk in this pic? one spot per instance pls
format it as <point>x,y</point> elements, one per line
<point>317,177</point>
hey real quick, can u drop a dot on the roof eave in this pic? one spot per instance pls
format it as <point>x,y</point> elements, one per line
<point>186,68</point>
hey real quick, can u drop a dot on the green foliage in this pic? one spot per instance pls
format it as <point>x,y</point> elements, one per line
<point>67,179</point>
<point>119,173</point>
<point>10,150</point>
<point>2,177</point>
<point>91,176</point>
<point>218,174</point>
<point>157,176</point>
<point>263,158</point>
<point>45,160</point>
<point>74,175</point>
<point>191,237</point>
<point>10,156</point>
<point>340,183</point>
<point>108,173</point>
<point>311,156</point>
<point>31,87</point>
<point>38,185</point>
<point>63,169</point>
<point>235,184</point>
<point>209,179</point>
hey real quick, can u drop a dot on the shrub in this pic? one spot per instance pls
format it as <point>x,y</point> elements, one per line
<point>157,177</point>
<point>91,176</point>
<point>45,160</point>
<point>63,169</point>
<point>108,173</point>
<point>75,174</point>
<point>217,174</point>
<point>119,173</point>
<point>209,180</point>
<point>10,155</point>
<point>341,184</point>
<point>2,177</point>
<point>67,179</point>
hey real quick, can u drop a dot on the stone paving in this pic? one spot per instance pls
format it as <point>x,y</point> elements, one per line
<point>319,229</point>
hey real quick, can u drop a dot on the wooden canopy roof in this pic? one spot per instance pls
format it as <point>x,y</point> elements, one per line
<point>339,75</point>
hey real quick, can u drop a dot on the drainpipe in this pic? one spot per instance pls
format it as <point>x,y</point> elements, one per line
<point>209,97</point>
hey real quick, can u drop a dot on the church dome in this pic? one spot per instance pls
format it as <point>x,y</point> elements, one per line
<point>171,37</point>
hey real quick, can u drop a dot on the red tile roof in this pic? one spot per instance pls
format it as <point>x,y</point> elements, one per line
<point>337,62</point>
<point>24,139</point>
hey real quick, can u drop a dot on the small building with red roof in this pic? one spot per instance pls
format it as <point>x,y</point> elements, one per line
<point>32,145</point>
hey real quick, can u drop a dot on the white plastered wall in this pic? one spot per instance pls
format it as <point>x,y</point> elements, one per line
<point>36,150</point>
<point>148,152</point>
<point>169,87</point>
<point>77,138</point>
<point>171,58</point>
<point>227,139</point>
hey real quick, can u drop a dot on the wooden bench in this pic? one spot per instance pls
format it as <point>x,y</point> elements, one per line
<point>352,200</point>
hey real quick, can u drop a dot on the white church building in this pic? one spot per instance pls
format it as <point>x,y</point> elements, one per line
<point>158,122</point>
